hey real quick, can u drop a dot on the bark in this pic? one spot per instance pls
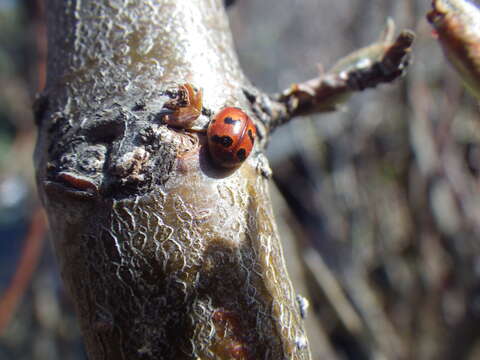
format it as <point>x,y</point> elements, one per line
<point>456,23</point>
<point>164,255</point>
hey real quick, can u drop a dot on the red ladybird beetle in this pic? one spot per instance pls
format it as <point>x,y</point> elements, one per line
<point>231,135</point>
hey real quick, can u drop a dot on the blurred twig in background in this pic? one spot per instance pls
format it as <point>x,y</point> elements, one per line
<point>25,268</point>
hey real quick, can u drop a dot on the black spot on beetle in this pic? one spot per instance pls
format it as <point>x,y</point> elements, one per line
<point>228,120</point>
<point>225,141</point>
<point>250,135</point>
<point>241,154</point>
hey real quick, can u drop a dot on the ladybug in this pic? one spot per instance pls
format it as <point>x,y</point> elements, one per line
<point>231,135</point>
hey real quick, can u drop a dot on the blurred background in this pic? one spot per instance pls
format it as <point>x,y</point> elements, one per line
<point>378,202</point>
<point>36,318</point>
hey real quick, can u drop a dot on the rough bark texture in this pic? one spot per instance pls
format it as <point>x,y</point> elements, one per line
<point>165,256</point>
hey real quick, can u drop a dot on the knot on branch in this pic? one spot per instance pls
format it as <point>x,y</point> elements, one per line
<point>118,151</point>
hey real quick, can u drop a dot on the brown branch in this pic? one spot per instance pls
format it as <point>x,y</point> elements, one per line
<point>165,255</point>
<point>381,62</point>
<point>457,26</point>
<point>40,29</point>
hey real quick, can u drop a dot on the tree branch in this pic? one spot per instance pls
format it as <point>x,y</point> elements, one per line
<point>165,255</point>
<point>457,26</point>
<point>382,62</point>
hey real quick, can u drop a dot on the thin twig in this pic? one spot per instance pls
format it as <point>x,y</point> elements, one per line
<point>381,62</point>
<point>26,266</point>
